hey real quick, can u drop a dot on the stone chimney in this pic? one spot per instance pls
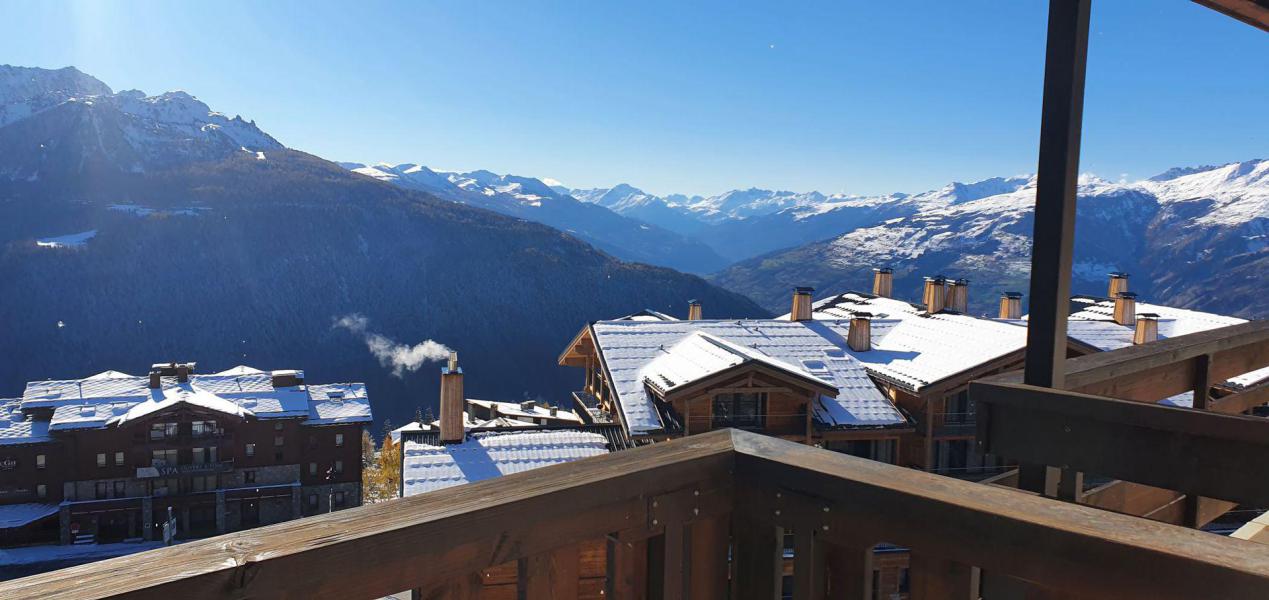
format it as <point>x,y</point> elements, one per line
<point>1126,308</point>
<point>1147,328</point>
<point>452,402</point>
<point>934,294</point>
<point>801,304</point>
<point>1118,283</point>
<point>1011,305</point>
<point>883,282</point>
<point>693,310</point>
<point>859,337</point>
<point>957,296</point>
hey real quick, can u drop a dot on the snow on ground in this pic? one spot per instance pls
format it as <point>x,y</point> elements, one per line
<point>259,156</point>
<point>29,555</point>
<point>74,240</point>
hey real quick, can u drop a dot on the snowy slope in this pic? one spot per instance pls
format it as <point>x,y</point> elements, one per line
<point>1195,238</point>
<point>54,120</point>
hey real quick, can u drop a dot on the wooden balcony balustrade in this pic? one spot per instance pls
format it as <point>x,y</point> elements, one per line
<point>700,517</point>
<point>1171,462</point>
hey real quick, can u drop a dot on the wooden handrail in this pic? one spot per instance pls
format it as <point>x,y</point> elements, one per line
<point>676,498</point>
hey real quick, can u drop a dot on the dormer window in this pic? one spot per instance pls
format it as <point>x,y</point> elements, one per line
<point>741,410</point>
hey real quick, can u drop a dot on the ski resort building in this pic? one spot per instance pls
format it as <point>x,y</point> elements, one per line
<point>110,457</point>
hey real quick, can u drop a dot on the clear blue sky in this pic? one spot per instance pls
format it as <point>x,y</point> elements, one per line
<point>856,96</point>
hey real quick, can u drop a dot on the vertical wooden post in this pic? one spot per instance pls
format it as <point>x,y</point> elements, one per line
<point>1070,485</point>
<point>850,572</point>
<point>809,572</point>
<point>676,560</point>
<point>1202,394</point>
<point>757,554</point>
<point>551,575</point>
<point>936,578</point>
<point>627,569</point>
<point>708,573</point>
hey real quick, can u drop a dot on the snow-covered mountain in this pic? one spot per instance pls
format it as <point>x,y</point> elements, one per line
<point>1190,237</point>
<point>64,119</point>
<point>624,236</point>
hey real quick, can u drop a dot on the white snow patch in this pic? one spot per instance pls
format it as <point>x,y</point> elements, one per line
<point>74,240</point>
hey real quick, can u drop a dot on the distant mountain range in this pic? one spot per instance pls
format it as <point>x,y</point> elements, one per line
<point>1194,237</point>
<point>137,229</point>
<point>531,199</point>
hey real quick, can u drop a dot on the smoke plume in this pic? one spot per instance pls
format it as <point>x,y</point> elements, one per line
<point>398,357</point>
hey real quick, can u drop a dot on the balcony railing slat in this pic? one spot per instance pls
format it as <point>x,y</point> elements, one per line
<point>710,539</point>
<point>376,550</point>
<point>1198,452</point>
<point>810,572</point>
<point>1058,545</point>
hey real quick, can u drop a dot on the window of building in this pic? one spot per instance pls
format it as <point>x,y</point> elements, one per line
<point>338,498</point>
<point>312,500</point>
<point>100,490</point>
<point>203,428</point>
<point>101,459</point>
<point>339,440</point>
<point>40,461</point>
<point>120,488</point>
<point>740,410</point>
<point>200,456</point>
<point>278,441</point>
<point>163,458</point>
<point>251,450</point>
<point>904,584</point>
<point>163,431</point>
<point>41,491</point>
<point>339,467</point>
<point>312,468</point>
<point>248,476</point>
<point>277,426</point>
<point>277,456</point>
<point>119,459</point>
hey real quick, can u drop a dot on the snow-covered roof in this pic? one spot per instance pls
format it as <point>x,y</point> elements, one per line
<point>186,393</point>
<point>17,515</point>
<point>338,403</point>
<point>15,428</point>
<point>527,410</point>
<point>914,349</point>
<point>817,349</point>
<point>1094,324</point>
<point>701,355</point>
<point>427,467</point>
<point>113,396</point>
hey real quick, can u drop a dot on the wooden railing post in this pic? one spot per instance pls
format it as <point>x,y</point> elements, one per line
<point>708,545</point>
<point>937,578</point>
<point>554,574</point>
<point>810,575</point>
<point>850,571</point>
<point>757,555</point>
<point>627,569</point>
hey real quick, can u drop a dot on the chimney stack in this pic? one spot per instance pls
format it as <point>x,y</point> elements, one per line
<point>1126,308</point>
<point>1011,305</point>
<point>287,378</point>
<point>693,310</point>
<point>801,304</point>
<point>859,337</point>
<point>934,294</point>
<point>957,296</point>
<point>452,402</point>
<point>1118,283</point>
<point>883,282</point>
<point>156,378</point>
<point>1147,329</point>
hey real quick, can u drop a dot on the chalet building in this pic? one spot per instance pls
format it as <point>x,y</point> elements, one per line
<point>109,457</point>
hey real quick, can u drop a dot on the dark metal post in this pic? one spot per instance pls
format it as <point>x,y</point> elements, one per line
<point>1057,176</point>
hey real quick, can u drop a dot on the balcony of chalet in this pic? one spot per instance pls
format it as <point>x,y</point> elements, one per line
<point>706,516</point>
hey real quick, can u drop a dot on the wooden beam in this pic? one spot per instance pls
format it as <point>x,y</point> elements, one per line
<point>850,571</point>
<point>627,569</point>
<point>1196,452</point>
<point>1053,236</point>
<point>937,578</point>
<point>1251,12</point>
<point>810,577</point>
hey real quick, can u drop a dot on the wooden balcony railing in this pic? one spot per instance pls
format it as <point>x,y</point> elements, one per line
<point>699,517</point>
<point>1171,462</point>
